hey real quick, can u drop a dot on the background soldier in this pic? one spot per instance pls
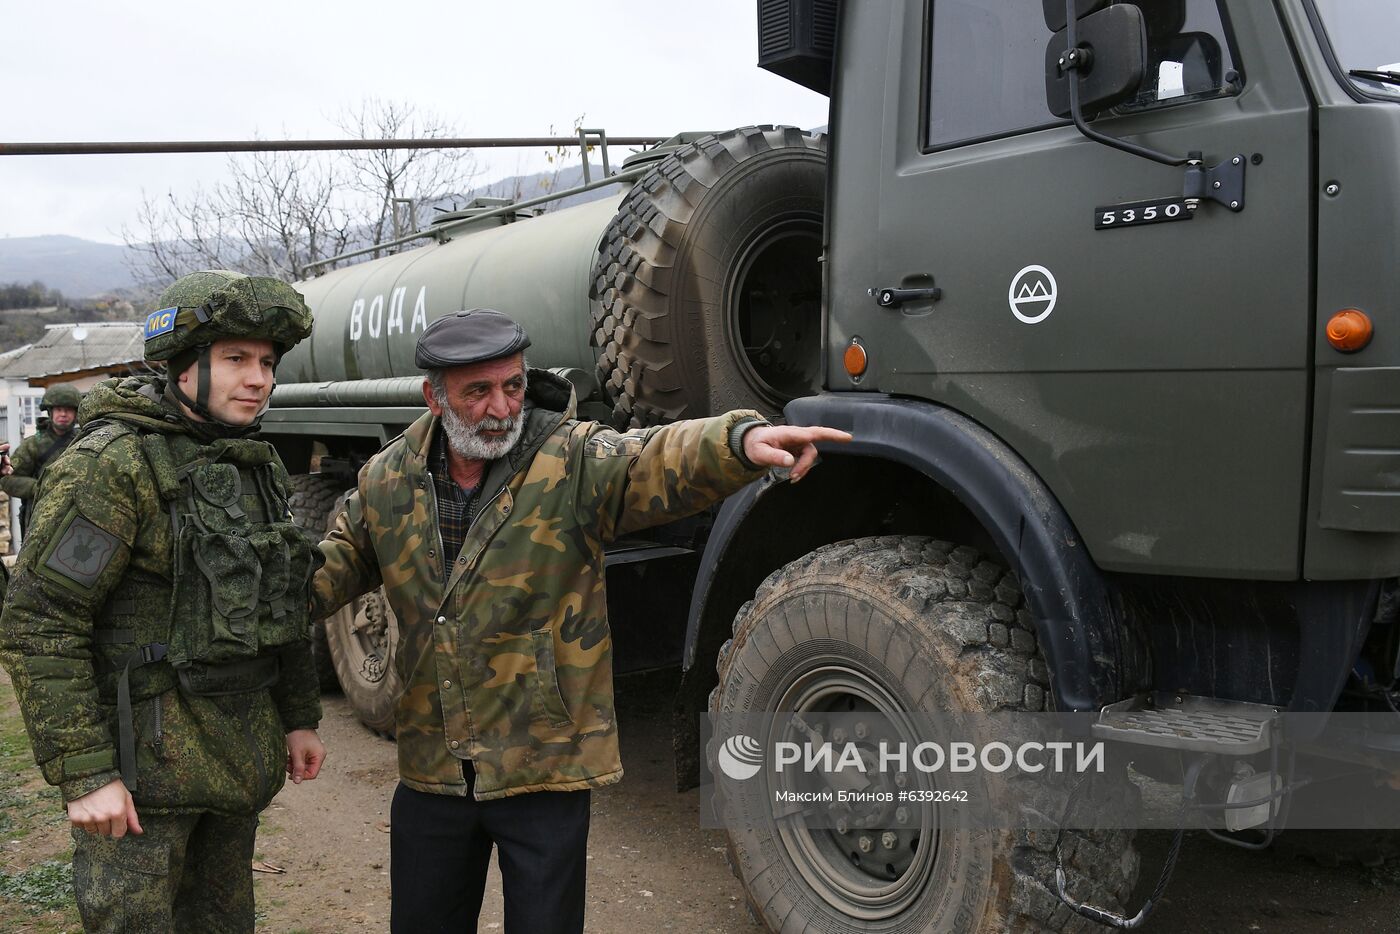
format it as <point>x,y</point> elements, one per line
<point>39,450</point>
<point>505,633</point>
<point>156,627</point>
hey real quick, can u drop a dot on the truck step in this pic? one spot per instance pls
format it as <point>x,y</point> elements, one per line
<point>1189,723</point>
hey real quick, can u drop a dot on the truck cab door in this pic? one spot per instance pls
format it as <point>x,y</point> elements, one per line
<point>1153,370</point>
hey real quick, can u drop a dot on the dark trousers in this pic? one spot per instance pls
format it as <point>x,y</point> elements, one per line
<point>440,848</point>
<point>187,874</point>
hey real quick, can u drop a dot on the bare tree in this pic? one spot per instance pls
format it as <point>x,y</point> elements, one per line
<point>277,213</point>
<point>171,236</point>
<point>384,177</point>
<point>286,214</point>
<point>561,159</point>
<point>273,215</point>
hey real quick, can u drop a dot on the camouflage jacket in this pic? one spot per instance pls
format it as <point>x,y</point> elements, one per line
<point>98,564</point>
<point>505,651</point>
<point>26,461</point>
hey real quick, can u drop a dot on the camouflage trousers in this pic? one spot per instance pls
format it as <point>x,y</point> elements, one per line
<point>187,874</point>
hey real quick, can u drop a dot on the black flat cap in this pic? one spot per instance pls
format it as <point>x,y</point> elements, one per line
<point>468,337</point>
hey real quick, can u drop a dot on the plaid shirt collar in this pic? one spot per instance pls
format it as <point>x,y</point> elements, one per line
<point>456,507</point>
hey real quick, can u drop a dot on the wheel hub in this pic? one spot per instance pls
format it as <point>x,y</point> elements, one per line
<point>775,310</point>
<point>870,857</point>
<point>370,635</point>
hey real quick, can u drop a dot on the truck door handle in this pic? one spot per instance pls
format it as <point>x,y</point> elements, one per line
<point>892,298</point>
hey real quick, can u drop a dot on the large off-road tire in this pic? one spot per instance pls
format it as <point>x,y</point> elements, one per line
<point>930,628</point>
<point>707,284</point>
<point>312,498</point>
<point>364,637</point>
<point>354,646</point>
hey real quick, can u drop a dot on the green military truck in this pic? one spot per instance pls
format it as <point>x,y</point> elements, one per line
<point>1107,294</point>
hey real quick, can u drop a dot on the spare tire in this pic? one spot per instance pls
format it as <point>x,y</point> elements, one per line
<point>707,285</point>
<point>313,497</point>
<point>353,647</point>
<point>364,637</point>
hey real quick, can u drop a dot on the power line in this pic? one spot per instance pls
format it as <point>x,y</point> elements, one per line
<point>187,146</point>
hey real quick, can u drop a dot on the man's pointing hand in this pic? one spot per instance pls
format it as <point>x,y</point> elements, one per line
<point>789,446</point>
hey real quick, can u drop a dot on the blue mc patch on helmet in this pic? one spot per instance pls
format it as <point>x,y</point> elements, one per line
<point>161,322</point>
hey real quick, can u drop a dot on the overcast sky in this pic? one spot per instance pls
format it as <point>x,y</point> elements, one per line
<point>159,69</point>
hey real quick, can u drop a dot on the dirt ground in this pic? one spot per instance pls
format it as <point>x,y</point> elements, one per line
<point>650,866</point>
<point>653,869</point>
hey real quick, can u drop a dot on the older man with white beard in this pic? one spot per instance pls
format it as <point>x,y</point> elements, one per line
<point>488,539</point>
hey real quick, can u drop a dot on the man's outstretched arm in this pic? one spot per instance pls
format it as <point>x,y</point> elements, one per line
<point>636,479</point>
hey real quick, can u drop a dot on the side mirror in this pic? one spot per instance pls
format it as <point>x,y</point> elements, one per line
<point>1115,39</point>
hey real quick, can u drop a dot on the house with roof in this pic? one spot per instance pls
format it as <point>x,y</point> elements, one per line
<point>83,354</point>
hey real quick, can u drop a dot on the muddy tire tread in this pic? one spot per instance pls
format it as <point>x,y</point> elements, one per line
<point>921,573</point>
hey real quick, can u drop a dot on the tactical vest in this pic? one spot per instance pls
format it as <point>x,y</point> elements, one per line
<point>238,593</point>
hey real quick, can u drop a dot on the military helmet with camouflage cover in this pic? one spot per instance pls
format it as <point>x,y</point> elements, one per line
<point>203,307</point>
<point>61,395</point>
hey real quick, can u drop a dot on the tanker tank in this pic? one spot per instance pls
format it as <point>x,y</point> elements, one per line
<point>535,269</point>
<point>696,289</point>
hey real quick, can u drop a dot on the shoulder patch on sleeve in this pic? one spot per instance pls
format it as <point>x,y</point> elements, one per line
<point>82,552</point>
<point>96,438</point>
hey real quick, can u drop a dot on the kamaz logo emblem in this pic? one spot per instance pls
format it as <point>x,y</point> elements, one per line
<point>161,322</point>
<point>1032,294</point>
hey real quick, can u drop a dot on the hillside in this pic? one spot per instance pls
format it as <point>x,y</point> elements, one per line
<point>86,269</point>
<point>78,268</point>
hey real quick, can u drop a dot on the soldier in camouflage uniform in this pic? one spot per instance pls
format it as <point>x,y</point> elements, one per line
<point>156,628</point>
<point>61,401</point>
<point>485,523</point>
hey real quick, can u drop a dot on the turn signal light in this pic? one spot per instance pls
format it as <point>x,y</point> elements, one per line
<point>1348,330</point>
<point>855,360</point>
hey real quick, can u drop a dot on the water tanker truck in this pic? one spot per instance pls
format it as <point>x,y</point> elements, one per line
<point>1107,293</point>
<point>694,289</point>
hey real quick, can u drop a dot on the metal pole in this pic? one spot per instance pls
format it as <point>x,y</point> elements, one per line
<point>601,136</point>
<point>412,207</point>
<point>305,145</point>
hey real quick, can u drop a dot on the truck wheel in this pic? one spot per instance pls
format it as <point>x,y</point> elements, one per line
<point>312,498</point>
<point>353,647</point>
<point>363,636</point>
<point>361,639</point>
<point>915,625</point>
<point>707,284</point>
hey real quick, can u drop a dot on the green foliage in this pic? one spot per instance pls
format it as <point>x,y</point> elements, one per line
<point>40,895</point>
<point>47,886</point>
<point>25,324</point>
<point>16,807</point>
<point>32,295</point>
